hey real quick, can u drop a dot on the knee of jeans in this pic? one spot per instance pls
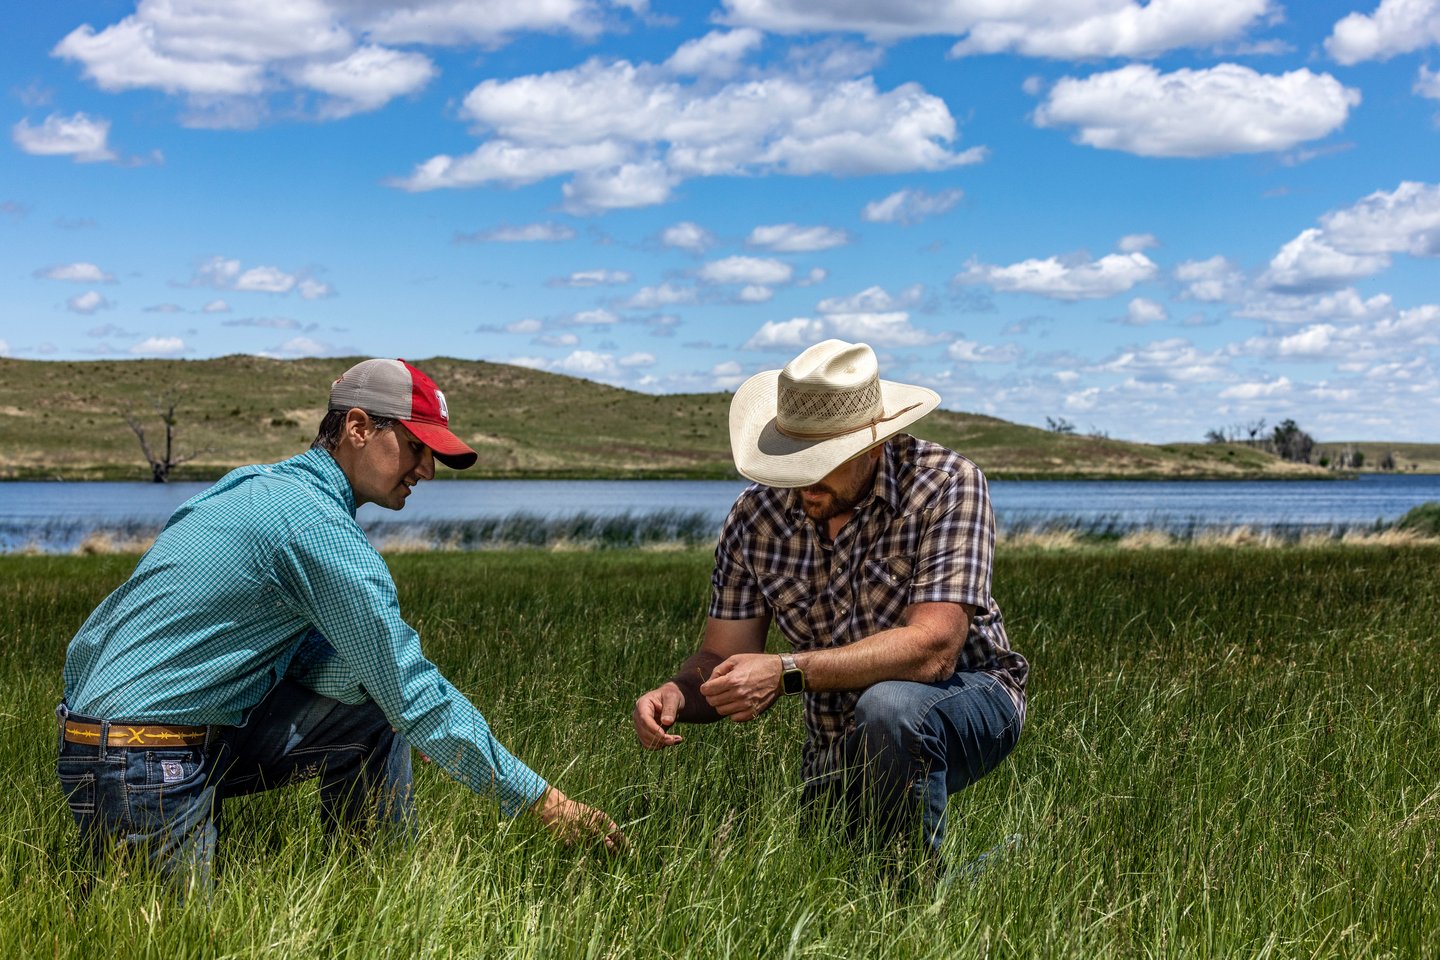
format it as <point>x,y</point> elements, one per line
<point>885,712</point>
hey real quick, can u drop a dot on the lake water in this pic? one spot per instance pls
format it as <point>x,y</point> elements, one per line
<point>55,516</point>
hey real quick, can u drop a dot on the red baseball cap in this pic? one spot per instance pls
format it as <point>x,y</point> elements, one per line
<point>394,389</point>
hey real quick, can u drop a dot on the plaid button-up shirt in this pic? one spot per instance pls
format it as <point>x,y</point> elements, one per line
<point>925,533</point>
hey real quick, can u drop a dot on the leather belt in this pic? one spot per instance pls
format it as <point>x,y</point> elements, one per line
<point>136,734</point>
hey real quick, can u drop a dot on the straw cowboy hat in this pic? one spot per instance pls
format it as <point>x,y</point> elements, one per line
<point>790,427</point>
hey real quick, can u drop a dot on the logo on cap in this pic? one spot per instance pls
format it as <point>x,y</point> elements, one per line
<point>444,410</point>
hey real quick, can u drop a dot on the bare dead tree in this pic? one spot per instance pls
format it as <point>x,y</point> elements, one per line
<point>161,466</point>
<point>1253,428</point>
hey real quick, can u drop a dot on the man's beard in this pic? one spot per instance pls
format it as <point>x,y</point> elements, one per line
<point>835,506</point>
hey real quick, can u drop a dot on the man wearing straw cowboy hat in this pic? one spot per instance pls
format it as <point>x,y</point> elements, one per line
<point>259,642</point>
<point>871,551</point>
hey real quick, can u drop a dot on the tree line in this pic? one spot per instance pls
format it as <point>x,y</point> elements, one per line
<point>1288,441</point>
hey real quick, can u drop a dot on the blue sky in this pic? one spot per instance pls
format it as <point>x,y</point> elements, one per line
<point>1148,219</point>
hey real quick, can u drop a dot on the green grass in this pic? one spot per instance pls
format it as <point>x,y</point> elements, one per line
<point>66,420</point>
<point>1229,753</point>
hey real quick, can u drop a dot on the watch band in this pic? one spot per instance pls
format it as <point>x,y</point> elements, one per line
<point>792,678</point>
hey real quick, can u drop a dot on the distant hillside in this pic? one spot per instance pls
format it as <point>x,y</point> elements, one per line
<point>66,420</point>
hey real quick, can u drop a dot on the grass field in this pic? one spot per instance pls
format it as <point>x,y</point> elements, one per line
<point>1230,753</point>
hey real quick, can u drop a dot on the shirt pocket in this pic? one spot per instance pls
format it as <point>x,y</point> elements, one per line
<point>885,589</point>
<point>790,599</point>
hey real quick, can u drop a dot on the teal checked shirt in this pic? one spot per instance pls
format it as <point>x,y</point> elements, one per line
<point>266,574</point>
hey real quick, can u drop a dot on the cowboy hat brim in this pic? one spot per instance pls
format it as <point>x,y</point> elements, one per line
<point>765,455</point>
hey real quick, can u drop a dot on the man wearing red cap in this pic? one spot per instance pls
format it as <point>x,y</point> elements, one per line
<point>259,642</point>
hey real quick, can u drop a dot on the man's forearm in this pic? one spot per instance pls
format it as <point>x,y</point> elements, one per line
<point>923,649</point>
<point>693,672</point>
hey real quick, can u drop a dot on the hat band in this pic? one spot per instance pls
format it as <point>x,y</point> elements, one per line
<point>872,424</point>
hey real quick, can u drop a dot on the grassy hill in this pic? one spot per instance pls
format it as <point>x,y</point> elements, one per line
<point>66,420</point>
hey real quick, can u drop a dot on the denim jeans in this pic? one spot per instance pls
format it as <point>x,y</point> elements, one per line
<point>163,804</point>
<point>912,745</point>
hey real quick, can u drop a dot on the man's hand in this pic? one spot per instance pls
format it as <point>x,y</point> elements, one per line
<point>655,714</point>
<point>744,685</point>
<point>572,821</point>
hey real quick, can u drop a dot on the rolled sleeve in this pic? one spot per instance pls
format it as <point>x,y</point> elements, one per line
<point>341,585</point>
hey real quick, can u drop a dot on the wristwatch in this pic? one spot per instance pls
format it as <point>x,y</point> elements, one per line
<point>792,679</point>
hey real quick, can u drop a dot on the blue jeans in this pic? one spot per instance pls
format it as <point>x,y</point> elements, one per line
<point>163,804</point>
<point>914,744</point>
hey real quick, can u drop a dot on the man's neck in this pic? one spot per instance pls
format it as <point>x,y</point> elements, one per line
<point>835,524</point>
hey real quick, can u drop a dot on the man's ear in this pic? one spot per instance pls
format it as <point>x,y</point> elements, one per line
<point>358,427</point>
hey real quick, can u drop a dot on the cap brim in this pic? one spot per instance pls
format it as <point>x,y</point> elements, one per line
<point>448,448</point>
<point>765,455</point>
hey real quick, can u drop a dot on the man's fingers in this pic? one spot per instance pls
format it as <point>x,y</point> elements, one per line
<point>650,723</point>
<point>669,707</point>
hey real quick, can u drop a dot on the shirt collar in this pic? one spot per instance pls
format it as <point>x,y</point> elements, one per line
<point>887,481</point>
<point>319,463</point>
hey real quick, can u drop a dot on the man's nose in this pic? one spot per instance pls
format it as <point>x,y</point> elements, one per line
<point>427,464</point>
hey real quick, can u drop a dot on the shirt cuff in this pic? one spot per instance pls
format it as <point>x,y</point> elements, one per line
<point>520,790</point>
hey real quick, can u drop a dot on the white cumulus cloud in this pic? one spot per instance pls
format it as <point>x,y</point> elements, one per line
<point>224,273</point>
<point>593,278</point>
<point>874,300</point>
<point>970,351</point>
<point>76,273</point>
<point>367,79</point>
<point>687,236</point>
<point>1214,280</point>
<point>797,333</point>
<point>754,271</point>
<point>1143,311</point>
<point>159,347</point>
<point>628,134</point>
<point>793,238</point>
<point>1292,308</point>
<point>1427,83</point>
<point>1065,279</point>
<point>87,302</point>
<point>230,58</point>
<point>1170,360</point>
<point>594,318</point>
<point>78,135</point>
<point>523,233</point>
<point>1257,389</point>
<point>660,295</point>
<point>1078,30</point>
<point>297,347</point>
<point>720,53</point>
<point>727,375</point>
<point>1135,242</point>
<point>892,329</point>
<point>1311,261</point>
<point>1396,26</point>
<point>1360,240</point>
<point>1221,110</point>
<point>910,206</point>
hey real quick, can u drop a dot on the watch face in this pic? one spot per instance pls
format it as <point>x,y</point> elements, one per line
<point>793,681</point>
